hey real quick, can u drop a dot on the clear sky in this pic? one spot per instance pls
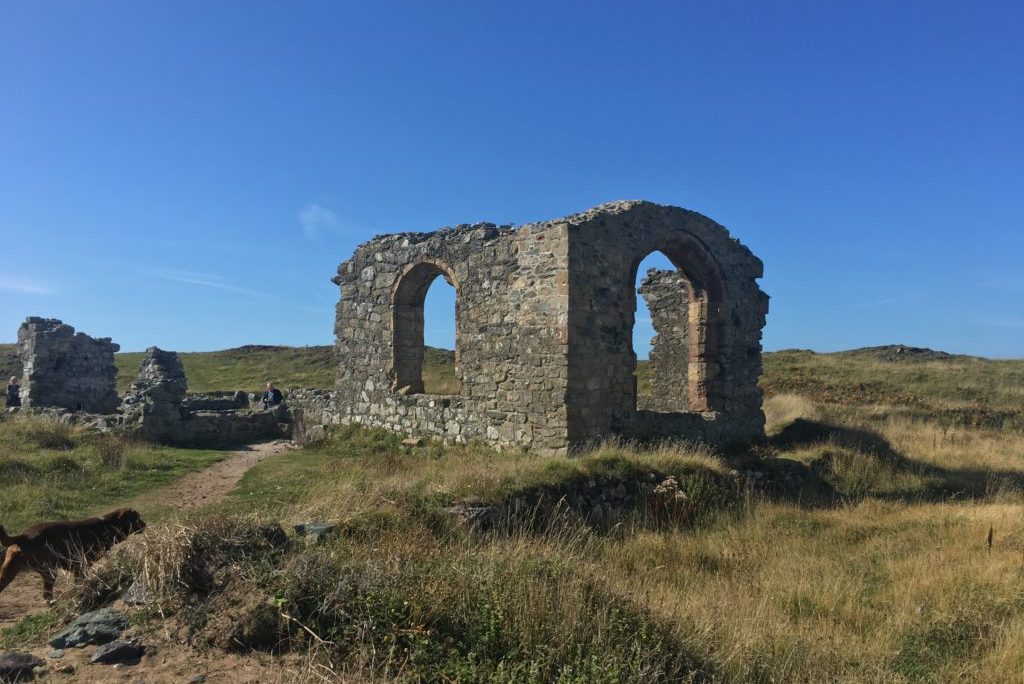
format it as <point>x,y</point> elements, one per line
<point>189,174</point>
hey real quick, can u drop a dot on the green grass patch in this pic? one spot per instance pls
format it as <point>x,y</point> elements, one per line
<point>50,471</point>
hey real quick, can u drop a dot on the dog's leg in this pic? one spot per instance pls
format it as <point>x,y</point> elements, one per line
<point>10,567</point>
<point>49,576</point>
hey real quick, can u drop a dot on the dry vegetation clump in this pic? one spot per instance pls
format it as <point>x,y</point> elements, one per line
<point>412,603</point>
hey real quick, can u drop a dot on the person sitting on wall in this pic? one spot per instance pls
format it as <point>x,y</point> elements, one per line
<point>272,397</point>
<point>12,394</point>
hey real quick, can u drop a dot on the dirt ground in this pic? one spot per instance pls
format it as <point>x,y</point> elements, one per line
<point>166,659</point>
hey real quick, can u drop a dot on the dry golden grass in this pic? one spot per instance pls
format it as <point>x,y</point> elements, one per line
<point>878,569</point>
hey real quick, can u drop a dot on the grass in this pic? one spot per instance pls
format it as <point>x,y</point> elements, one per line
<point>877,570</point>
<point>874,567</point>
<point>887,581</point>
<point>247,368</point>
<point>51,471</point>
<point>251,367</point>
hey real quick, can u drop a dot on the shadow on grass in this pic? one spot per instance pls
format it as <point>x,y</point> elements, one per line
<point>931,483</point>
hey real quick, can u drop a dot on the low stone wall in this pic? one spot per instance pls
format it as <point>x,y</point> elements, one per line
<point>216,401</point>
<point>228,428</point>
<point>708,427</point>
<point>310,411</point>
<point>318,406</point>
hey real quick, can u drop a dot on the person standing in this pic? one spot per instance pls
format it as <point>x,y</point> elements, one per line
<point>12,394</point>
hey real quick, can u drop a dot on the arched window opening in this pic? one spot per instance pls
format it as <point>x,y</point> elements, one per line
<point>425,343</point>
<point>677,304</point>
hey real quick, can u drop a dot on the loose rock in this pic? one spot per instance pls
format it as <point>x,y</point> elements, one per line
<point>316,531</point>
<point>96,627</point>
<point>18,667</point>
<point>118,652</point>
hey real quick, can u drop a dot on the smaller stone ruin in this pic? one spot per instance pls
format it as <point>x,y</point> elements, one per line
<point>158,409</point>
<point>65,369</point>
<point>73,376</point>
<point>153,405</point>
<point>667,296</point>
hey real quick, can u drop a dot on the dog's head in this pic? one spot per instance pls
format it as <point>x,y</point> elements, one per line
<point>126,521</point>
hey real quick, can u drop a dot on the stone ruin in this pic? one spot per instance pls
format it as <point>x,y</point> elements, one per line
<point>544,321</point>
<point>157,408</point>
<point>153,404</point>
<point>667,295</point>
<point>544,351</point>
<point>66,370</point>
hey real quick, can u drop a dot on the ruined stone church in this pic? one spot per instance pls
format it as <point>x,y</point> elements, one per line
<point>544,323</point>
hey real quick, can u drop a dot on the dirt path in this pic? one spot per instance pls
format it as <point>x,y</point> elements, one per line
<point>25,594</point>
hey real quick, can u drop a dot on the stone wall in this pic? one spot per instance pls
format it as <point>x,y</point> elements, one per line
<point>511,313</point>
<point>65,369</point>
<point>318,407</point>
<point>152,407</point>
<point>667,296</point>
<point>544,320</point>
<point>156,408</point>
<point>216,401</point>
<point>725,313</point>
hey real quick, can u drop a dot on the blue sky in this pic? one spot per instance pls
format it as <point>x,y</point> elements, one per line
<point>189,174</point>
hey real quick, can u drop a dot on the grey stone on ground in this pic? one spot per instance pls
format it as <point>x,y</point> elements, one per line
<point>17,667</point>
<point>118,652</point>
<point>317,531</point>
<point>56,653</point>
<point>197,679</point>
<point>96,627</point>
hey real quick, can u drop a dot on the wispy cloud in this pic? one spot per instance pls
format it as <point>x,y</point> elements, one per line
<point>883,302</point>
<point>317,219</point>
<point>207,280</point>
<point>1009,284</point>
<point>23,286</point>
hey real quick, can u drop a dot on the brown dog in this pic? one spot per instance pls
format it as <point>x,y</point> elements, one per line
<point>69,545</point>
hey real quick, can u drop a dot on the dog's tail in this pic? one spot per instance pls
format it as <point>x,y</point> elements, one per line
<point>4,539</point>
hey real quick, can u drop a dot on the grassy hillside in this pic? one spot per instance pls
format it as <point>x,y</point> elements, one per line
<point>952,390</point>
<point>252,366</point>
<point>246,368</point>
<point>865,558</point>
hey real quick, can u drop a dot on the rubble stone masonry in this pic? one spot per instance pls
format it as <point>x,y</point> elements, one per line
<point>544,321</point>
<point>65,369</point>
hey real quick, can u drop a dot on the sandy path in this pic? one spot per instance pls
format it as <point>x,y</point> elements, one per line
<point>25,594</point>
